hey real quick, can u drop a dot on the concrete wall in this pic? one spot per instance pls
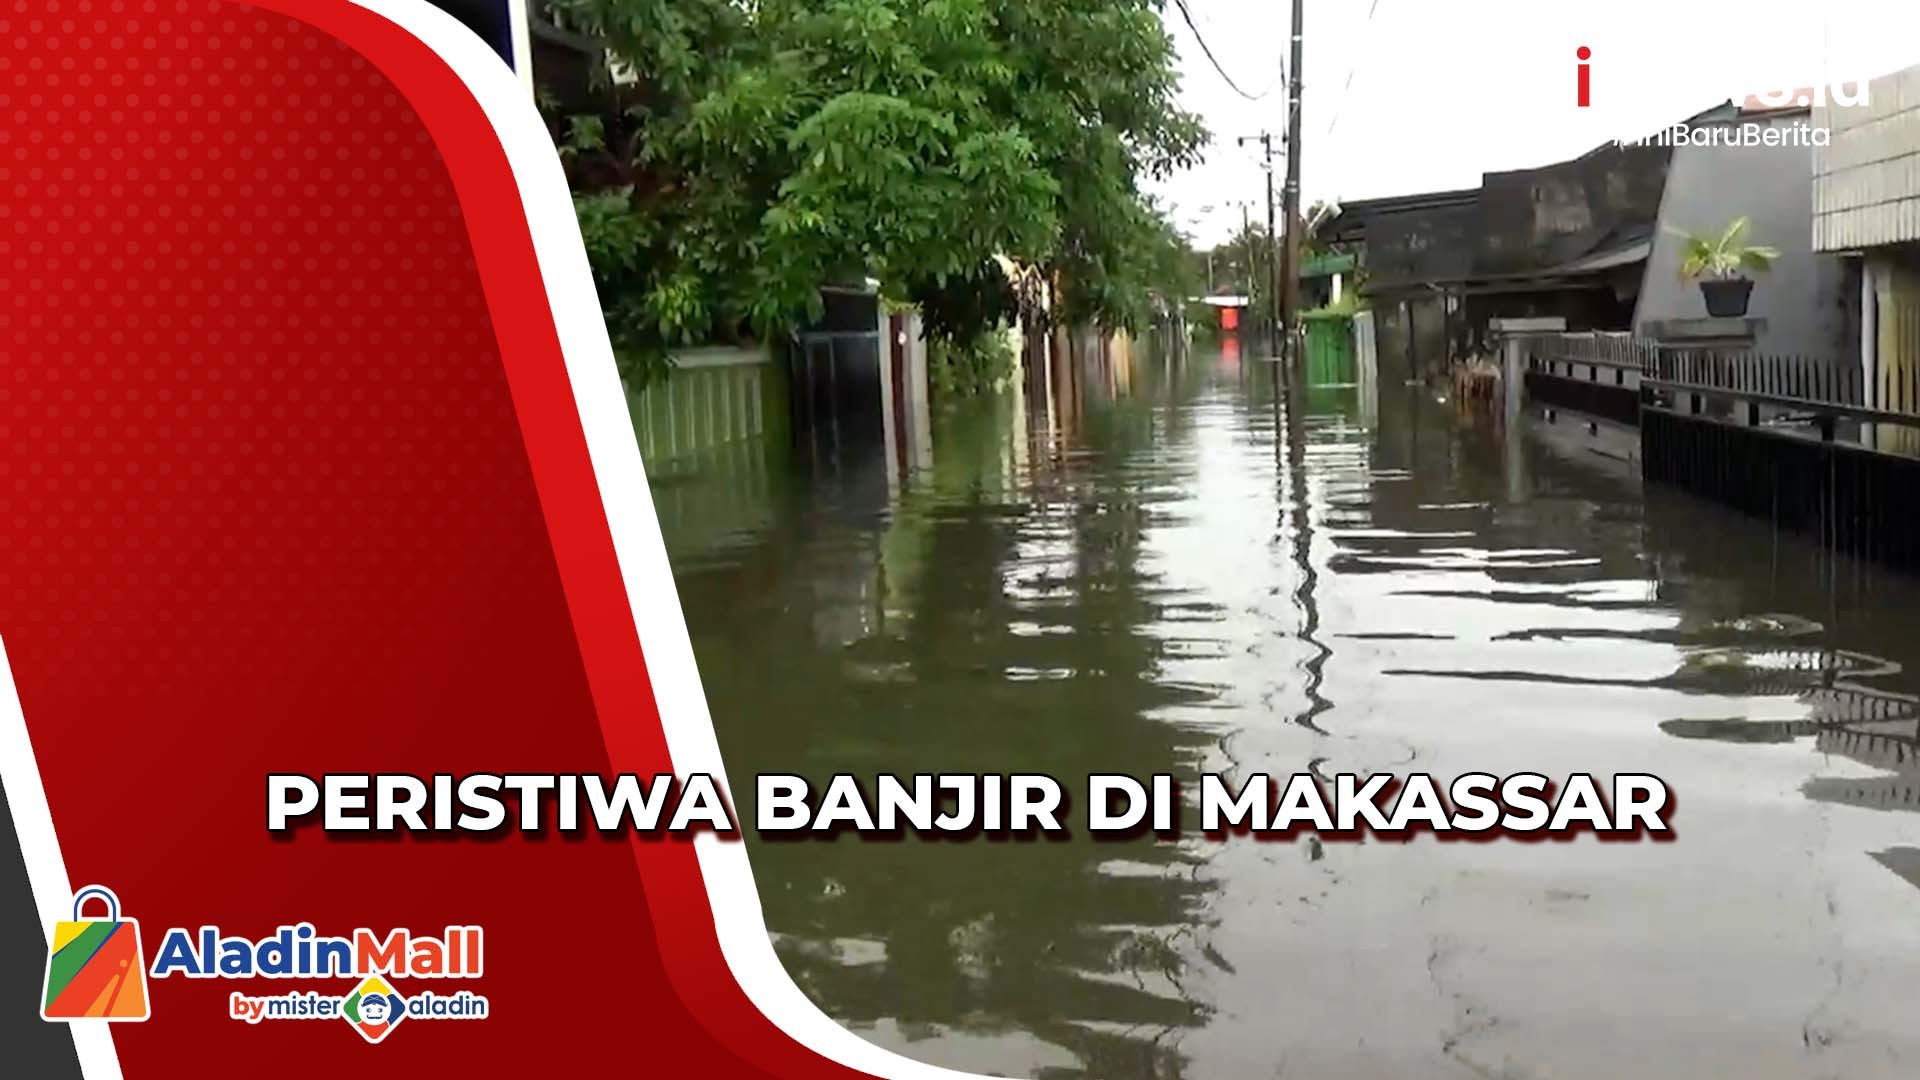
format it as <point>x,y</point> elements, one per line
<point>1867,179</point>
<point>1890,353</point>
<point>918,438</point>
<point>712,398</point>
<point>1803,297</point>
<point>1366,364</point>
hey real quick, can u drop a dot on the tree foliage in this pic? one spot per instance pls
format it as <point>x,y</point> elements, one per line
<point>763,150</point>
<point>970,366</point>
<point>1240,265</point>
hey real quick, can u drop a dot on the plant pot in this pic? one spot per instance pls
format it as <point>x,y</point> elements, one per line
<point>1726,297</point>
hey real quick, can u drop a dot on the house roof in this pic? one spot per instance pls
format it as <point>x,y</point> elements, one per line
<point>1349,225</point>
<point>1567,223</point>
<point>1327,265</point>
<point>1586,271</point>
<point>1729,111</point>
<point>1626,254</point>
<point>559,35</point>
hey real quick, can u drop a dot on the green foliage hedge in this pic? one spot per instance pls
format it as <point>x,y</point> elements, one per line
<point>762,150</point>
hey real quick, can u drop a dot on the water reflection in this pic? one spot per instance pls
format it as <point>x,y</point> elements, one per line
<point>1170,564</point>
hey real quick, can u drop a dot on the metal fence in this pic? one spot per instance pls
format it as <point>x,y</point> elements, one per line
<point>1594,373</point>
<point>1786,379</point>
<point>1827,446</point>
<point>712,398</point>
<point>1824,446</point>
<point>1613,351</point>
<point>1880,387</point>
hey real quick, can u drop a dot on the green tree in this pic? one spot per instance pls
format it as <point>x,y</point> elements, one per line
<point>763,150</point>
<point>1240,265</point>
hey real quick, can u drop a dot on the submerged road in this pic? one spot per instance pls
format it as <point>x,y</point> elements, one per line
<point>1182,573</point>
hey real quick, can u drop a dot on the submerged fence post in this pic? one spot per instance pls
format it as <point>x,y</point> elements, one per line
<point>1512,379</point>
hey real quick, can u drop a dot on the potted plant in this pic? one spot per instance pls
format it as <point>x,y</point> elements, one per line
<point>1718,263</point>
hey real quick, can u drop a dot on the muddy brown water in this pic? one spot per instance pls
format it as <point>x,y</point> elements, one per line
<point>1184,571</point>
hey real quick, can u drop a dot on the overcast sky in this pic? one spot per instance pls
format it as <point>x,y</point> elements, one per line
<point>1428,94</point>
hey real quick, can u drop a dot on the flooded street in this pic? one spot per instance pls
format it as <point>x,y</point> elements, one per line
<point>1175,574</point>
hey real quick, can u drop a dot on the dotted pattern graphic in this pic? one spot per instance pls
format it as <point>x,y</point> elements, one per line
<point>264,506</point>
<point>219,239</point>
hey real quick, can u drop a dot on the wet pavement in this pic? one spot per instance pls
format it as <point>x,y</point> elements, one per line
<point>1182,571</point>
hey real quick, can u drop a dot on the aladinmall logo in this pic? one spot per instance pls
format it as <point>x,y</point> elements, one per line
<point>375,1005</point>
<point>373,1009</point>
<point>96,970</point>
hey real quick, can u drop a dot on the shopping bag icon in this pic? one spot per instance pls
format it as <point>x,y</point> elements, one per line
<point>96,969</point>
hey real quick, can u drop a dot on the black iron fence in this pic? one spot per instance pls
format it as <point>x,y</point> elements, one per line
<point>1821,445</point>
<point>1814,444</point>
<point>1874,408</point>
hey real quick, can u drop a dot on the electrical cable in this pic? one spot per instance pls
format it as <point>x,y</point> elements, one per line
<point>1204,48</point>
<point>1340,104</point>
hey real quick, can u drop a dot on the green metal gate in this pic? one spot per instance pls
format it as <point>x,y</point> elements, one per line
<point>1329,349</point>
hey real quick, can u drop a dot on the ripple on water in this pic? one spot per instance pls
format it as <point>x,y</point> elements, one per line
<point>1178,576</point>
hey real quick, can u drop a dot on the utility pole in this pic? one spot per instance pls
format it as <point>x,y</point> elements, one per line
<point>1245,228</point>
<point>1290,278</point>
<point>1265,139</point>
<point>1273,269</point>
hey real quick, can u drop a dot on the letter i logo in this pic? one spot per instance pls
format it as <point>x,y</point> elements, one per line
<point>1585,96</point>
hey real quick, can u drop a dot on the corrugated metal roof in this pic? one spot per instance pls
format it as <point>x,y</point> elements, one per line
<point>1624,255</point>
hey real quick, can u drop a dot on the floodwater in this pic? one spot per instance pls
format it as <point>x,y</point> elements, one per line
<point>1168,572</point>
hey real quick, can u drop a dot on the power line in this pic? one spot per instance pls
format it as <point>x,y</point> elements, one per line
<point>1341,104</point>
<point>1188,16</point>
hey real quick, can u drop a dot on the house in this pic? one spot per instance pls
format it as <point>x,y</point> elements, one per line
<point>503,26</point>
<point>1231,308</point>
<point>1566,241</point>
<point>1323,277</point>
<point>1402,244</point>
<point>565,69</point>
<point>571,71</point>
<point>1866,212</point>
<point>1755,161</point>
